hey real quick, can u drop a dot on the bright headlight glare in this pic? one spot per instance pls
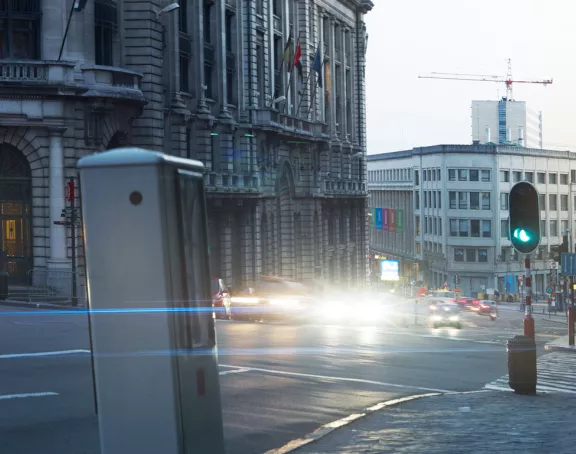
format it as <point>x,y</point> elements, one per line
<point>436,318</point>
<point>454,318</point>
<point>281,302</point>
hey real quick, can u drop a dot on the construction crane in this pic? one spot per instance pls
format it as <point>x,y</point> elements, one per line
<point>488,78</point>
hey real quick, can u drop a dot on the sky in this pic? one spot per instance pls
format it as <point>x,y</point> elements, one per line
<point>415,37</point>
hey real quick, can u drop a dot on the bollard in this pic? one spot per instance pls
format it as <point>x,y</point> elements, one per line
<point>3,285</point>
<point>522,372</point>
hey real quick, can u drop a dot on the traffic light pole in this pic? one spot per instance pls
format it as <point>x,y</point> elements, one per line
<point>571,313</point>
<point>528,320</point>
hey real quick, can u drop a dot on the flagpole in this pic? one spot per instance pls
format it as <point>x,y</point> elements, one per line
<point>315,90</point>
<point>291,68</point>
<point>305,89</point>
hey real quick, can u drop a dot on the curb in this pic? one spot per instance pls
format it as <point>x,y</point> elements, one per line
<point>324,430</point>
<point>560,348</point>
<point>13,303</point>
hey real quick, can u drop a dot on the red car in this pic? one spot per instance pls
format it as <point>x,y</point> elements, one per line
<point>221,300</point>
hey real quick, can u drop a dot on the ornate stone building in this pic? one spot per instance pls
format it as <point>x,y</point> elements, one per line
<point>284,155</point>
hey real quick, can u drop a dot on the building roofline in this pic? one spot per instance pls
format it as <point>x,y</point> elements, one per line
<point>477,149</point>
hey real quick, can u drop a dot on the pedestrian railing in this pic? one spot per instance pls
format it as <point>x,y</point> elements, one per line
<point>54,286</point>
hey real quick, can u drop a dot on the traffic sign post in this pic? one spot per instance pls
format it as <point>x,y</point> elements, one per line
<point>152,331</point>
<point>568,267</point>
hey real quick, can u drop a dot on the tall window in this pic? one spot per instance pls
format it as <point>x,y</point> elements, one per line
<point>185,49</point>
<point>20,29</point>
<point>230,26</point>
<point>105,29</point>
<point>208,49</point>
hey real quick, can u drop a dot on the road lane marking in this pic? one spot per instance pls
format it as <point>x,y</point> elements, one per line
<point>40,354</point>
<point>233,371</point>
<point>344,379</point>
<point>22,396</point>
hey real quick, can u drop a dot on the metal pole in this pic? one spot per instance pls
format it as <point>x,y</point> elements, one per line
<point>73,218</point>
<point>528,320</point>
<point>571,314</point>
<point>66,31</point>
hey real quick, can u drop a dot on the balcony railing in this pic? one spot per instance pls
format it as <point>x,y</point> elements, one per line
<point>36,72</point>
<point>346,187</point>
<point>271,118</point>
<point>231,183</point>
<point>113,81</point>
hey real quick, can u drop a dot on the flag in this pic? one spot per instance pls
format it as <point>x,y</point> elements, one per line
<point>297,62</point>
<point>317,66</point>
<point>327,79</point>
<point>287,57</point>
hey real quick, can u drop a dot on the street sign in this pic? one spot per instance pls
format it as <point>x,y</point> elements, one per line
<point>548,289</point>
<point>568,263</point>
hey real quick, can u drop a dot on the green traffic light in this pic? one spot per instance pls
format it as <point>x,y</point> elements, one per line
<point>522,235</point>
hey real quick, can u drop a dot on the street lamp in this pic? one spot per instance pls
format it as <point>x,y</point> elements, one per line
<point>166,9</point>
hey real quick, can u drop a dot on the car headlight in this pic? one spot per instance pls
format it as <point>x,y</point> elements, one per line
<point>454,318</point>
<point>282,302</point>
<point>436,318</point>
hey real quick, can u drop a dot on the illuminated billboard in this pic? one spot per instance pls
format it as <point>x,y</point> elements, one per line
<point>389,270</point>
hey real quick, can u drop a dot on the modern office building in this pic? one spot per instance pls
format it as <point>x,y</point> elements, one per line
<point>214,80</point>
<point>455,204</point>
<point>505,122</point>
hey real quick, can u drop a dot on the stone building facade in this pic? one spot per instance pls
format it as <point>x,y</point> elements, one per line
<point>285,158</point>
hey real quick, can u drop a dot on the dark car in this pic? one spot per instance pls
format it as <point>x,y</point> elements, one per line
<point>445,315</point>
<point>221,300</point>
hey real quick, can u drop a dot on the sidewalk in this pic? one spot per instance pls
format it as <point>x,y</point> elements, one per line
<point>476,422</point>
<point>560,345</point>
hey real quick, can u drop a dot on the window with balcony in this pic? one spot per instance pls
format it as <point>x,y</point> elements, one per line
<point>20,29</point>
<point>105,31</point>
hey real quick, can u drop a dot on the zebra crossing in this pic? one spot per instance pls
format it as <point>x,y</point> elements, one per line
<point>556,373</point>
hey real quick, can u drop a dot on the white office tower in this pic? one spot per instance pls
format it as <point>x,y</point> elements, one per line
<point>505,122</point>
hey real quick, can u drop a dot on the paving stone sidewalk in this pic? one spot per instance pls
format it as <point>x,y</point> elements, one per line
<point>478,422</point>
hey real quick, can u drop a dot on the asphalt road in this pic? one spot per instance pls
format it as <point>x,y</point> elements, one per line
<point>278,381</point>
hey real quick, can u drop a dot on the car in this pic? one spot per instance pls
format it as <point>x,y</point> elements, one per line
<point>445,315</point>
<point>221,300</point>
<point>467,303</point>
<point>489,308</point>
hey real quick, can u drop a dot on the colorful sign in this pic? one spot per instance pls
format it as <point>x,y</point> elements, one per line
<point>386,225</point>
<point>400,221</point>
<point>373,217</point>
<point>392,219</point>
<point>379,218</point>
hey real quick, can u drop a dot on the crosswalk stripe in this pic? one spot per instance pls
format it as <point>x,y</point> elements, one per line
<point>556,373</point>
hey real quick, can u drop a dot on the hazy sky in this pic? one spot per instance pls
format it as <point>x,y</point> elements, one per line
<point>414,37</point>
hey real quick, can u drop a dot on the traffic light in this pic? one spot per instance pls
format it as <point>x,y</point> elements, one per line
<point>524,215</point>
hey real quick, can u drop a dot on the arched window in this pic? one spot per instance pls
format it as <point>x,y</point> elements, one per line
<point>20,29</point>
